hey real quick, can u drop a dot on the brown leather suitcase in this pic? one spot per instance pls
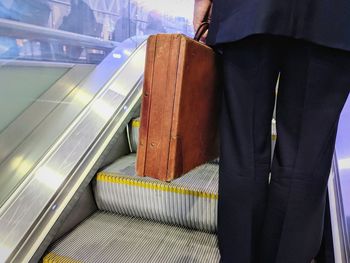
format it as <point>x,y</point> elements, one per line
<point>179,112</point>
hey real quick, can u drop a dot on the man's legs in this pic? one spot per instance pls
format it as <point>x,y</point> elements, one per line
<point>250,75</point>
<point>313,89</point>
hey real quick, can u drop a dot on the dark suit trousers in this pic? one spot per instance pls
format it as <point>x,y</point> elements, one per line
<point>280,221</point>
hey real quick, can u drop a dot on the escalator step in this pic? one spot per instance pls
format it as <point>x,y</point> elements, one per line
<point>189,201</point>
<point>106,237</point>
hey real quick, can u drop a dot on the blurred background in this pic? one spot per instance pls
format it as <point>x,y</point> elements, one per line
<point>126,23</point>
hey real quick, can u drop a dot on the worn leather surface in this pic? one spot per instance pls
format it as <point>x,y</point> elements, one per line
<point>179,113</point>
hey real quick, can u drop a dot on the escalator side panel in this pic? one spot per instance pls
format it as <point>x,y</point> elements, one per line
<point>19,129</point>
<point>35,130</point>
<point>37,203</point>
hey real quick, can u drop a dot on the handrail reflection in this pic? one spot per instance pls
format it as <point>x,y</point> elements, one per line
<point>16,29</point>
<point>46,44</point>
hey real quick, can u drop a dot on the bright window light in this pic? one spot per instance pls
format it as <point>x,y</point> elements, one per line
<point>344,163</point>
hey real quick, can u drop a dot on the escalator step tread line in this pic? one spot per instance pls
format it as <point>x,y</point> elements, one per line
<point>141,219</point>
<point>189,201</point>
<point>107,237</point>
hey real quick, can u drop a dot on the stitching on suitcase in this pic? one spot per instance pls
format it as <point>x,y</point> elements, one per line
<point>149,106</point>
<point>172,110</point>
<point>173,106</point>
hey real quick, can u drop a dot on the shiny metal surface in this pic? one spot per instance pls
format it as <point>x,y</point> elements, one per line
<point>21,160</point>
<point>20,128</point>
<point>341,181</point>
<point>23,30</point>
<point>29,136</point>
<point>336,215</point>
<point>28,215</point>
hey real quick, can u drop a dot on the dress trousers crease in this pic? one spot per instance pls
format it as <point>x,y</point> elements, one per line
<point>278,212</point>
<point>281,220</point>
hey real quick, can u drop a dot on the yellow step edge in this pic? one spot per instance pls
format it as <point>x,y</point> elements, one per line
<point>135,123</point>
<point>54,258</point>
<point>113,178</point>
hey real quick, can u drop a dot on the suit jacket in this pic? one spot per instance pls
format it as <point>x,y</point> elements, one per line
<point>325,22</point>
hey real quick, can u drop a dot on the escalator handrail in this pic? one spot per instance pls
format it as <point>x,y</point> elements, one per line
<point>10,28</point>
<point>337,213</point>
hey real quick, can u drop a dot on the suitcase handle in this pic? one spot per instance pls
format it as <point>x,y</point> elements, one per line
<point>204,26</point>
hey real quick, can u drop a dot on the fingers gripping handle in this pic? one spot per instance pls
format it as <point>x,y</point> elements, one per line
<point>204,26</point>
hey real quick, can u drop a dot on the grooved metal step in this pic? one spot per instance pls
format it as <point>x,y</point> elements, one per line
<point>106,237</point>
<point>189,201</point>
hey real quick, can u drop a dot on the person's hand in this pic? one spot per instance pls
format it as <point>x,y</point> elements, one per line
<point>200,9</point>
